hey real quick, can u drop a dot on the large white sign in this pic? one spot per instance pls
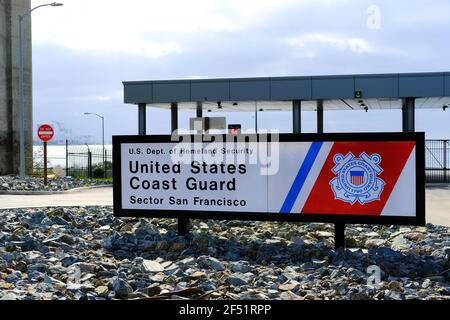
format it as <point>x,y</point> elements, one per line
<point>356,178</point>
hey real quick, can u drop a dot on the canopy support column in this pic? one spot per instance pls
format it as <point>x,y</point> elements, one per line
<point>297,116</point>
<point>174,117</point>
<point>320,116</point>
<point>409,115</point>
<point>199,110</point>
<point>142,119</point>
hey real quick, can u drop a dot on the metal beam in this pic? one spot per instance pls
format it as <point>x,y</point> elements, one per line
<point>142,119</point>
<point>320,116</point>
<point>297,116</point>
<point>409,114</point>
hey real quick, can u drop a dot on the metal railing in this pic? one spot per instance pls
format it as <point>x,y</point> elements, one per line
<point>89,163</point>
<point>85,162</point>
<point>437,156</point>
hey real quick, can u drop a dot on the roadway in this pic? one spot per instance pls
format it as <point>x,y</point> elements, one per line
<point>437,199</point>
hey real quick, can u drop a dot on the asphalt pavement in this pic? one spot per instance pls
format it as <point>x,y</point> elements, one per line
<point>437,200</point>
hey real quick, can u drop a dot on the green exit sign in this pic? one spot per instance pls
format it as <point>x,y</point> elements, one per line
<point>358,95</point>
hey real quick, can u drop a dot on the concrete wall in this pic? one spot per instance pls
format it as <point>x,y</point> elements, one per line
<point>9,84</point>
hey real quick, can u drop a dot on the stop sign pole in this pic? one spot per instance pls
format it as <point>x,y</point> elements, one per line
<point>45,134</point>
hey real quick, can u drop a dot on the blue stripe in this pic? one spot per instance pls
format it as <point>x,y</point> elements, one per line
<point>301,177</point>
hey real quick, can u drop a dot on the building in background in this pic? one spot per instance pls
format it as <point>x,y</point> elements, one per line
<point>9,86</point>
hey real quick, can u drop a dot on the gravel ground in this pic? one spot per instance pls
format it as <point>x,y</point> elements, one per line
<point>86,253</point>
<point>13,183</point>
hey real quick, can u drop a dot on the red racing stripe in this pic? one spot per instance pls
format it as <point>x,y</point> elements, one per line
<point>394,158</point>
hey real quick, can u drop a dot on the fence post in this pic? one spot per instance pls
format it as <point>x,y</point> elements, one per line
<point>445,161</point>
<point>67,158</point>
<point>90,165</point>
<point>105,175</point>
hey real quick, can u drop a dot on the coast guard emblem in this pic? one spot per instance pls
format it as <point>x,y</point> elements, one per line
<point>357,178</point>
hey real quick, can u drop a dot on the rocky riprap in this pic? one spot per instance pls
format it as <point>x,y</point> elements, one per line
<point>86,253</point>
<point>14,183</point>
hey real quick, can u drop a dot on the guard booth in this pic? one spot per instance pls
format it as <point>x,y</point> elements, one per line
<point>296,95</point>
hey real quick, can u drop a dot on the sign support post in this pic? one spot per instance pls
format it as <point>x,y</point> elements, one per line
<point>339,236</point>
<point>45,165</point>
<point>45,134</point>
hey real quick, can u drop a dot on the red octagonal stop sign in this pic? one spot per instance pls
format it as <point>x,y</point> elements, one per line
<point>46,133</point>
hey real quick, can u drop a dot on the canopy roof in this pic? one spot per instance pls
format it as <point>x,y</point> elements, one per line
<point>346,92</point>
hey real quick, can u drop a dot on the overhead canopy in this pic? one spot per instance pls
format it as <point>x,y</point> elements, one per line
<point>347,92</point>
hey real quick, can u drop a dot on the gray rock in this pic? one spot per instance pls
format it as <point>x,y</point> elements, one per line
<point>375,243</point>
<point>9,257</point>
<point>9,297</point>
<point>239,267</point>
<point>68,260</point>
<point>319,263</point>
<point>31,245</point>
<point>39,267</point>
<point>427,284</point>
<point>400,243</point>
<point>288,295</point>
<point>59,221</point>
<point>237,279</point>
<point>14,277</point>
<point>53,282</point>
<point>36,218</point>
<point>395,286</point>
<point>79,287</point>
<point>121,288</point>
<point>431,268</point>
<point>69,240</point>
<point>393,295</point>
<point>47,222</point>
<point>372,235</point>
<point>324,234</point>
<point>354,273</point>
<point>152,266</point>
<point>214,264</point>
<point>84,267</point>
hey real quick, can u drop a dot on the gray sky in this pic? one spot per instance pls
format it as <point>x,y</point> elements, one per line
<point>83,51</point>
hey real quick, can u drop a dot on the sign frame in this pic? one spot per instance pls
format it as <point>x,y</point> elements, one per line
<point>418,220</point>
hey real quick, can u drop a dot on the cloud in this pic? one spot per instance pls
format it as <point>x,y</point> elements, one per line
<point>313,43</point>
<point>142,27</point>
<point>151,28</point>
